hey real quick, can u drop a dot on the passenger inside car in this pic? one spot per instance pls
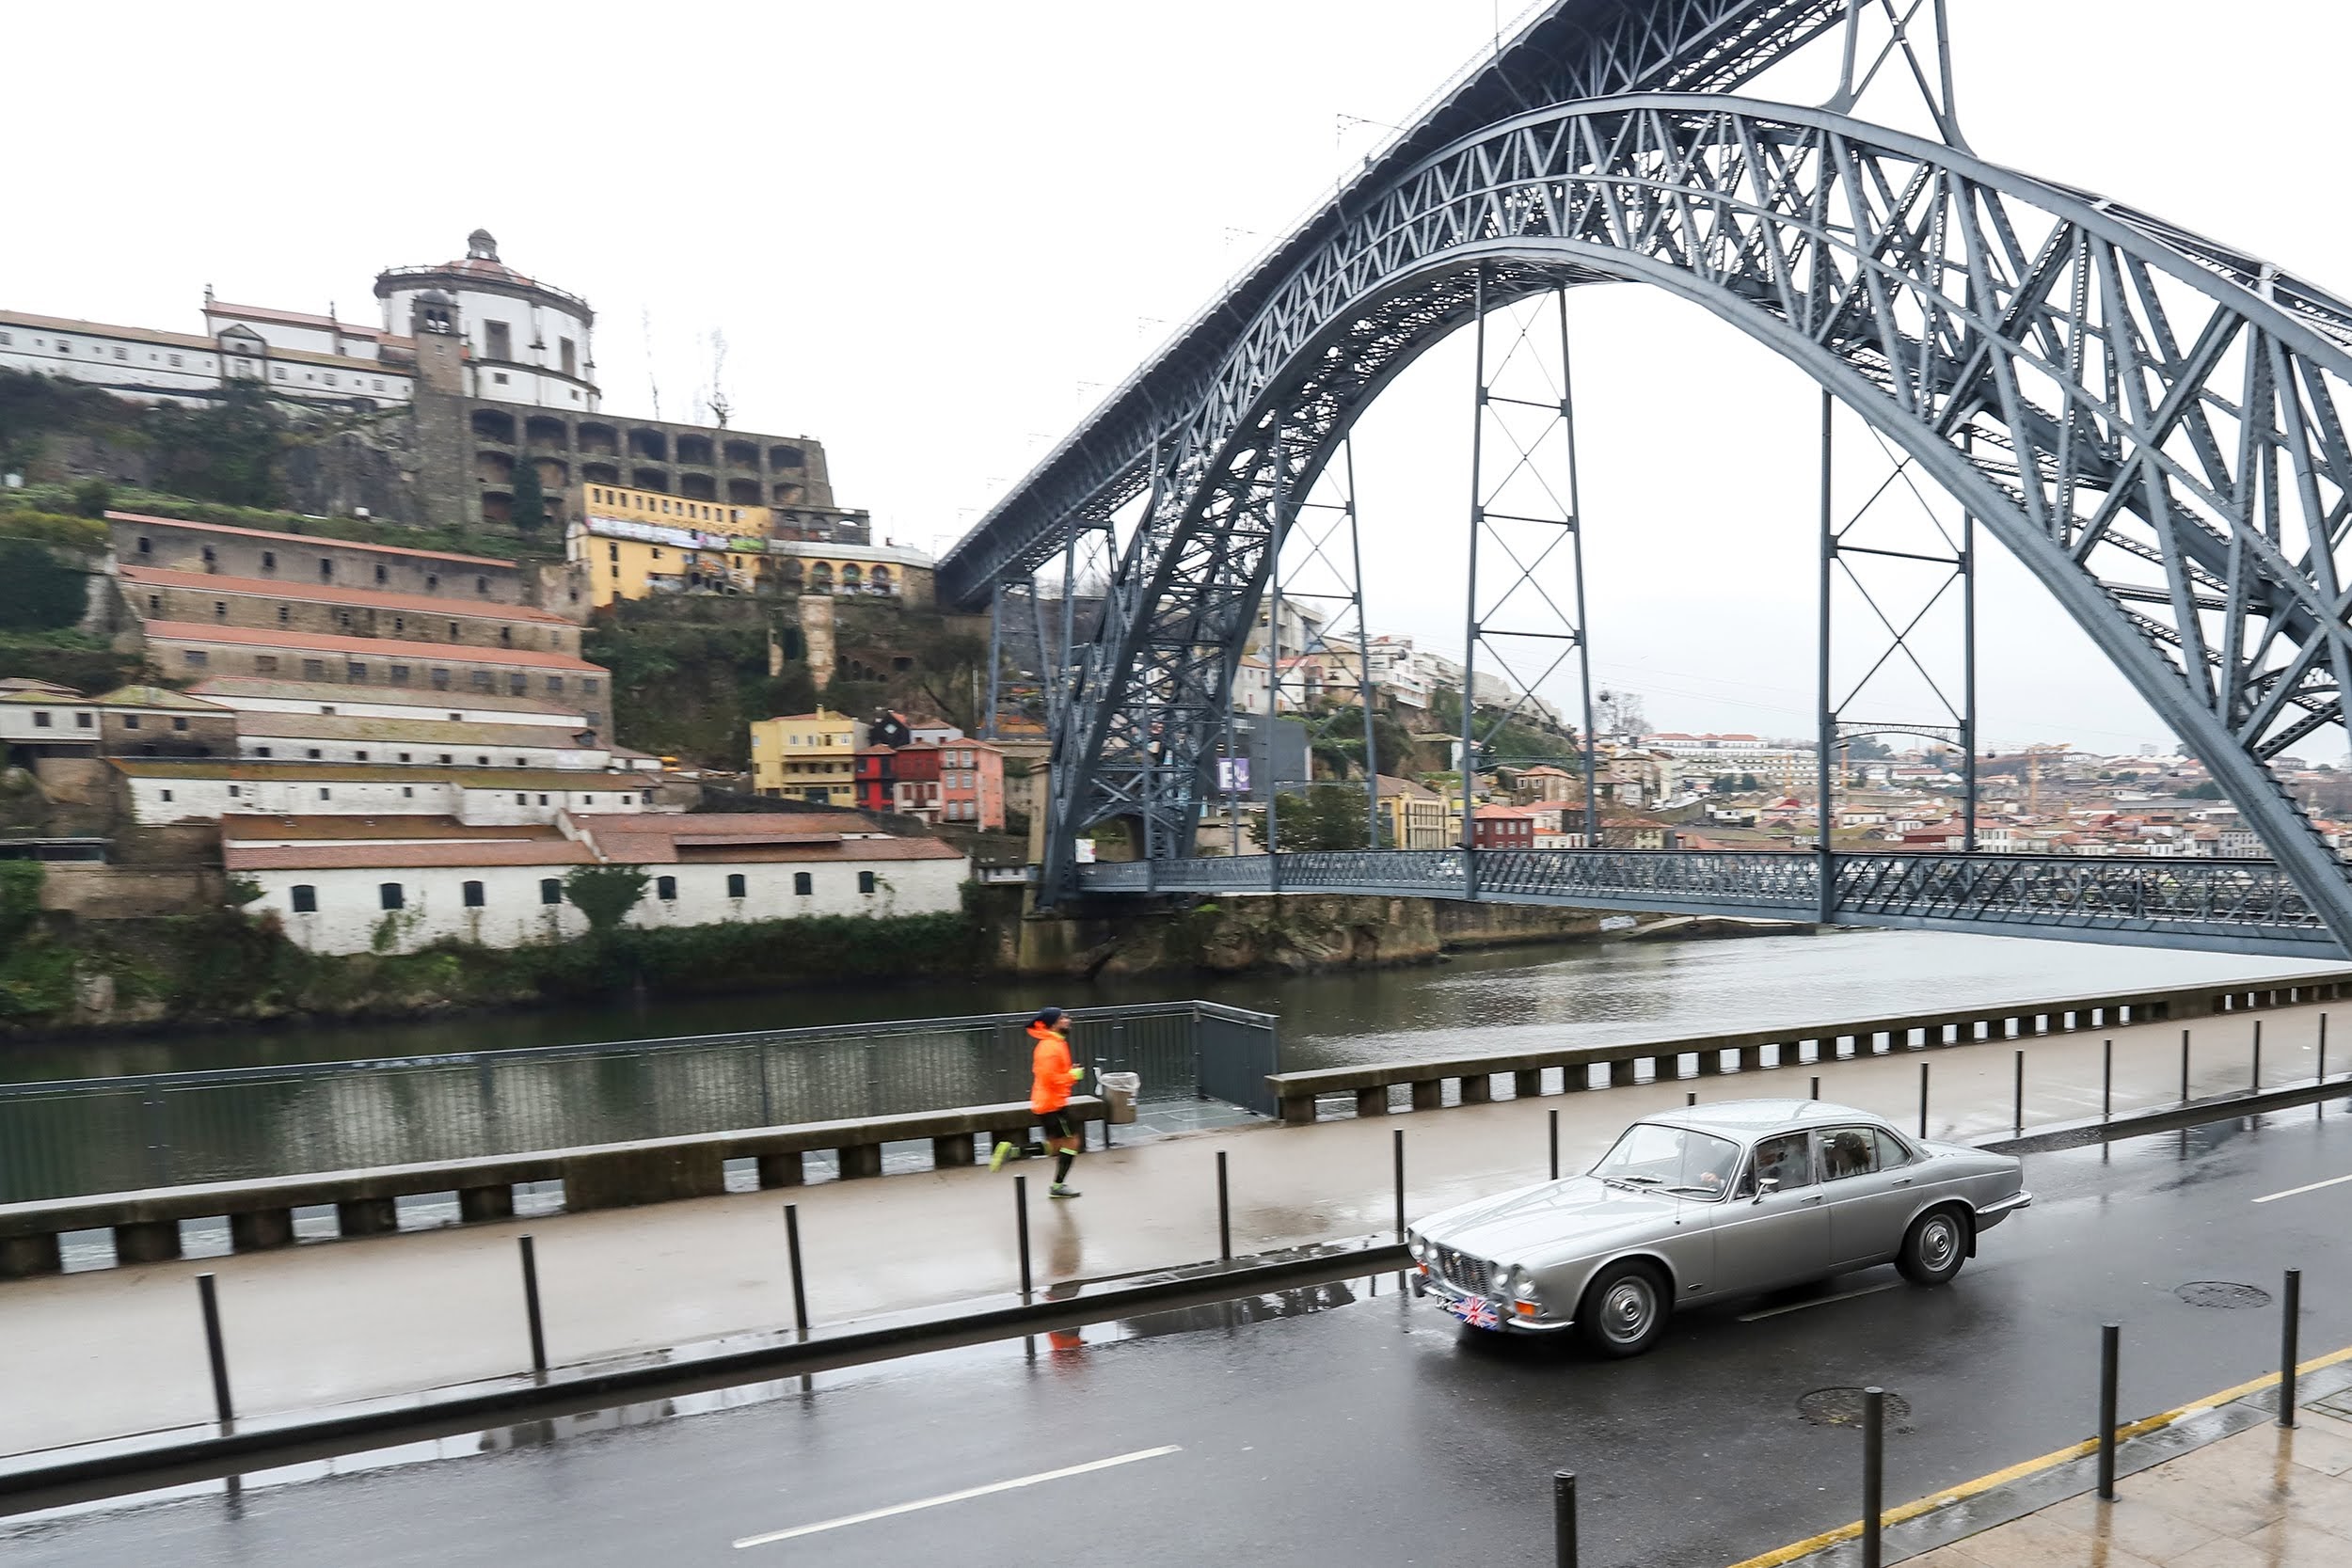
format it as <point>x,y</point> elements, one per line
<point>1846,1151</point>
<point>1785,1161</point>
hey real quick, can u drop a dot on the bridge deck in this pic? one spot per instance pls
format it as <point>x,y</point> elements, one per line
<point>2223,904</point>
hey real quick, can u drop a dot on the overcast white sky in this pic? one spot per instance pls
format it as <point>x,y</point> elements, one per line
<point>934,233</point>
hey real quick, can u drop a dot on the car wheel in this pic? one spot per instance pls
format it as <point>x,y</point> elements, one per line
<point>1625,1308</point>
<point>1936,1249</point>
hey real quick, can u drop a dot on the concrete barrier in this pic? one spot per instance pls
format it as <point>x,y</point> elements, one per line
<point>1298,1093</point>
<point>146,1225</point>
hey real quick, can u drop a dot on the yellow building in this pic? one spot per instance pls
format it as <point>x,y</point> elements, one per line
<point>1418,818</point>
<point>637,543</point>
<point>807,756</point>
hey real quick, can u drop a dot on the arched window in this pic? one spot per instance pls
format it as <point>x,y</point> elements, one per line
<point>802,883</point>
<point>821,576</point>
<point>852,579</point>
<point>866,881</point>
<point>665,889</point>
<point>390,896</point>
<point>473,895</point>
<point>306,898</point>
<point>736,887</point>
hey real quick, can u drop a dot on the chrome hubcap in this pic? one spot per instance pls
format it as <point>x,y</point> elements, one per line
<point>1625,1312</point>
<point>1938,1240</point>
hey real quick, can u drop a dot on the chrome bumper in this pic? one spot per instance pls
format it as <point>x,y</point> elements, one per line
<point>1994,1213</point>
<point>1506,1322</point>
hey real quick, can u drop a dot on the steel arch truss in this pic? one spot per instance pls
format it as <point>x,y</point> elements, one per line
<point>2153,424</point>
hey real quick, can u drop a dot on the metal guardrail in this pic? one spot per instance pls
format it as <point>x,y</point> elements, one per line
<point>2229,905</point>
<point>68,1138</point>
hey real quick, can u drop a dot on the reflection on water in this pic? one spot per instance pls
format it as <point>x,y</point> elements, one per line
<point>1556,994</point>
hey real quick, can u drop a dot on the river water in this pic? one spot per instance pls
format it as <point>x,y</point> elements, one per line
<point>1507,999</point>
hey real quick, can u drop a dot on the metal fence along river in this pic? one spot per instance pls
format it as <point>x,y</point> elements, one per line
<point>63,1139</point>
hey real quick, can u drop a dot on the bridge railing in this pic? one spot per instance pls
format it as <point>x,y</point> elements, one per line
<point>111,1134</point>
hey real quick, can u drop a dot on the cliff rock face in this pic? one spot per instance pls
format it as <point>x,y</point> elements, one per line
<point>1295,934</point>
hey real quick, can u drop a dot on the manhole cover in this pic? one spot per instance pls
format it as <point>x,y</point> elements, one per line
<point>1842,1408</point>
<point>2222,1293</point>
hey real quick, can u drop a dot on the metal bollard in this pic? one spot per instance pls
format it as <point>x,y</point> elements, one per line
<point>1224,1215</point>
<point>2016,1098</point>
<point>1873,1472</point>
<point>2111,1342</point>
<point>2289,1332</point>
<point>2183,1067</point>
<point>530,1301</point>
<point>1555,1145</point>
<point>2323,1048</point>
<point>206,1295</point>
<point>1021,1222</point>
<point>1564,1518</point>
<point>1399,1146</point>
<point>1815,1092</point>
<point>2256,1086</point>
<point>1692,1097</point>
<point>1923,1100</point>
<point>792,1256</point>
<point>2107,1080</point>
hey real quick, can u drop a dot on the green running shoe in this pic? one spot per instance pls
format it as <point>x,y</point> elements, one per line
<point>999,1155</point>
<point>1062,1188</point>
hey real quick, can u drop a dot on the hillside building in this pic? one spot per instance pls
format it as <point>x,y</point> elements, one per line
<point>808,757</point>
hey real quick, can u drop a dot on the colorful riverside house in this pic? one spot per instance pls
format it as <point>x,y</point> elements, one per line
<point>808,757</point>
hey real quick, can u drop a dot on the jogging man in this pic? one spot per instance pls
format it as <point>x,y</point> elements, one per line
<point>1051,1077</point>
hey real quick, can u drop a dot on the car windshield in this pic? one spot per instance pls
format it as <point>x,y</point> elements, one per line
<point>1669,1159</point>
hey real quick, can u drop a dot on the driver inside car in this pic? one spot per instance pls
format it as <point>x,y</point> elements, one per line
<point>1783,1162</point>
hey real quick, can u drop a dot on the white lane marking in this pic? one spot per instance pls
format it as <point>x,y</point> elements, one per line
<point>967,1493</point>
<point>2297,1192</point>
<point>1823,1301</point>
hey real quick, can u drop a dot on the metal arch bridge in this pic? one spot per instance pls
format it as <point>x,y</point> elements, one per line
<point>2152,423</point>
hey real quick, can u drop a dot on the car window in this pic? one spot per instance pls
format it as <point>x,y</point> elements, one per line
<point>1846,1151</point>
<point>1786,1158</point>
<point>1892,1149</point>
<point>1695,1165</point>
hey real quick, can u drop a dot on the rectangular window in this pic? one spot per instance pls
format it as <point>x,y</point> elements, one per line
<point>266,664</point>
<point>735,884</point>
<point>167,794</point>
<point>220,610</point>
<point>196,658</point>
<point>262,751</point>
<point>179,724</point>
<point>473,895</point>
<point>284,614</point>
<point>440,679</point>
<point>665,887</point>
<point>571,357</point>
<point>555,685</point>
<point>314,669</point>
<point>326,569</point>
<point>397,676</point>
<point>40,720</point>
<point>482,681</point>
<point>306,898</point>
<point>130,721</point>
<point>388,895</point>
<point>587,686</point>
<point>85,721</point>
<point>269,561</point>
<point>518,684</point>
<point>865,881</point>
<point>802,884</point>
<point>551,890</point>
<point>500,338</point>
<point>356,673</point>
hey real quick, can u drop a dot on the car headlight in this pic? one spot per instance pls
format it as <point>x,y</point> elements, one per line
<point>1415,1245</point>
<point>1522,1284</point>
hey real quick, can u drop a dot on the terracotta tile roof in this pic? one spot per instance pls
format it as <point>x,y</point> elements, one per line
<point>727,824</point>
<point>292,318</point>
<point>380,647</point>
<point>327,856</point>
<point>308,539</point>
<point>327,592</point>
<point>655,849</point>
<point>100,329</point>
<point>37,688</point>
<point>261,770</point>
<point>328,694</point>
<point>260,825</point>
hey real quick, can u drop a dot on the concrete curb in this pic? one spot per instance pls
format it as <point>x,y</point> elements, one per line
<point>53,1478</point>
<point>2194,1113</point>
<point>1920,1527</point>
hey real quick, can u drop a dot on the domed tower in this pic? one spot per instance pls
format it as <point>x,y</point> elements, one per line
<point>525,341</point>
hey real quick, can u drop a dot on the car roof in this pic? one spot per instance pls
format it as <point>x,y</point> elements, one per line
<point>1749,1118</point>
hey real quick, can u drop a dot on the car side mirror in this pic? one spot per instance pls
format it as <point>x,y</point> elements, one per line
<point>1765,1185</point>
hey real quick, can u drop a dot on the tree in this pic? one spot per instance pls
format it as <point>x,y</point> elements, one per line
<point>1723,783</point>
<point>528,512</point>
<point>1327,816</point>
<point>2206,791</point>
<point>92,497</point>
<point>605,894</point>
<point>1864,748</point>
<point>1747,781</point>
<point>37,591</point>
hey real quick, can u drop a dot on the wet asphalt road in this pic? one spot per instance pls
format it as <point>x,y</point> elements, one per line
<point>1354,1428</point>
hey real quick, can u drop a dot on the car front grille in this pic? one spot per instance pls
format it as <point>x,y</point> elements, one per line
<point>1461,1269</point>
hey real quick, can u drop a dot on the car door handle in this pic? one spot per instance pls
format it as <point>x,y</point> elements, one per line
<point>1815,1198</point>
<point>1902,1182</point>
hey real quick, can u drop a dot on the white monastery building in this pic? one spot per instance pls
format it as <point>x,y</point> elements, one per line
<point>525,342</point>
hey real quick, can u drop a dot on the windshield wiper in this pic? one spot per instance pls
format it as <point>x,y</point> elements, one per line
<point>1697,1191</point>
<point>1636,1180</point>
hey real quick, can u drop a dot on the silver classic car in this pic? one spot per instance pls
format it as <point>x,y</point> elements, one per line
<point>1717,1200</point>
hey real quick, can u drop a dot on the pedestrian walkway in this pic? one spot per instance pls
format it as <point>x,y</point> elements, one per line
<point>93,1354</point>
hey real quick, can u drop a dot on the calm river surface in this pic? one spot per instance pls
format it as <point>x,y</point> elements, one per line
<point>1581,993</point>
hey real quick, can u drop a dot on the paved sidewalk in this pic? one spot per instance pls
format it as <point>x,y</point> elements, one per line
<point>2267,1498</point>
<point>113,1351</point>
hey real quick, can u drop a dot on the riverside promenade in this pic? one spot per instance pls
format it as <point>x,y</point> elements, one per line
<point>107,1352</point>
